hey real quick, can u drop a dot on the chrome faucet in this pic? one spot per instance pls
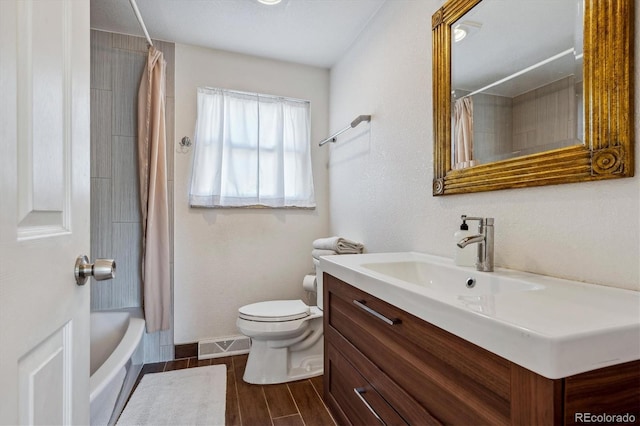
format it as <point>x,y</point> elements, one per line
<point>484,239</point>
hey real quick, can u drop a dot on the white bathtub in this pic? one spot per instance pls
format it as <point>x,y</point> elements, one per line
<point>115,336</point>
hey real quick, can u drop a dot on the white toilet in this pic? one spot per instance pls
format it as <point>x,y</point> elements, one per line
<point>286,339</point>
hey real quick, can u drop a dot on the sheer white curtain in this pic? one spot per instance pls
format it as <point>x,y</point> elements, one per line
<point>251,150</point>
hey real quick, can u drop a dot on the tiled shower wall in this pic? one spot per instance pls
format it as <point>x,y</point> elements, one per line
<point>548,113</point>
<point>117,63</point>
<point>536,121</point>
<point>492,127</point>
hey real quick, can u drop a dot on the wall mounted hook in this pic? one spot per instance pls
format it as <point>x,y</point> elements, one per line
<point>185,144</point>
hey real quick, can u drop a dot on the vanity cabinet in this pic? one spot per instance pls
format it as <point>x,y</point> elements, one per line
<point>384,365</point>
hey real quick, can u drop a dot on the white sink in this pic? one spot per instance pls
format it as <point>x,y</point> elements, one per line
<point>450,279</point>
<point>554,327</point>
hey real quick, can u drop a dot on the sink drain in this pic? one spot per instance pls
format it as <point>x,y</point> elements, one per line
<point>471,282</point>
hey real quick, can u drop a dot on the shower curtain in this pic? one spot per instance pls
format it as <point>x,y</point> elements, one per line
<point>463,134</point>
<point>152,164</point>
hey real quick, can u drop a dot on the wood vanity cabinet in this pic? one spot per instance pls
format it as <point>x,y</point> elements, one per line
<point>385,366</point>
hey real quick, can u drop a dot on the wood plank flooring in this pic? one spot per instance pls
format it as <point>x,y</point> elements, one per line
<point>288,404</point>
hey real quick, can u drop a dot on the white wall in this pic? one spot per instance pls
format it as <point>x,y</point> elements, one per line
<point>225,258</point>
<point>380,179</point>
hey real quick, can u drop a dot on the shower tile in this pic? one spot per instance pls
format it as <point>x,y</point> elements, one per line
<point>127,254</point>
<point>151,347</point>
<point>166,352</point>
<point>126,199</point>
<point>159,346</point>
<point>100,60</point>
<point>127,68</point>
<point>166,336</point>
<point>128,42</point>
<point>100,133</point>
<point>101,218</point>
<point>95,300</point>
<point>100,297</point>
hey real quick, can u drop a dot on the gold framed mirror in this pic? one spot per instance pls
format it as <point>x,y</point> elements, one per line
<point>605,148</point>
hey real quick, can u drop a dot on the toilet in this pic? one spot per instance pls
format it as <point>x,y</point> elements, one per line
<point>286,339</point>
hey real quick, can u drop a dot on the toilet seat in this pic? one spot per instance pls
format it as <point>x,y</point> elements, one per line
<point>275,311</point>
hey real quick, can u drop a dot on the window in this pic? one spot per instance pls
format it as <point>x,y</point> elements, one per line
<point>251,150</point>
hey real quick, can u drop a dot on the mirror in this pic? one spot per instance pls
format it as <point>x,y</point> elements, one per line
<point>524,95</point>
<point>532,93</point>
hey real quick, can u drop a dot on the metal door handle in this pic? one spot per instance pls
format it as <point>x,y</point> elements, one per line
<point>102,269</point>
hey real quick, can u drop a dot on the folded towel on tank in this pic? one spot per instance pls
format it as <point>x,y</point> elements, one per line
<point>339,245</point>
<point>316,253</point>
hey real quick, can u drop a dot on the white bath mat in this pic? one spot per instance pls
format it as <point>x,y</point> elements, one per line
<point>192,396</point>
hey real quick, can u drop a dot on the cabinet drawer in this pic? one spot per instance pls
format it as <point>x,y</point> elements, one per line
<point>454,380</point>
<point>355,395</point>
<point>402,402</point>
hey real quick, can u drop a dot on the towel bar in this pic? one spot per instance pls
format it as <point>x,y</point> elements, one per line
<point>359,119</point>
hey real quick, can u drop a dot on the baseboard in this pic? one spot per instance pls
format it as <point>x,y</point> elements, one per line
<point>223,347</point>
<point>187,350</point>
<point>213,348</point>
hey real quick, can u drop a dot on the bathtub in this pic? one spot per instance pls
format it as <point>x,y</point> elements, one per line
<point>115,336</point>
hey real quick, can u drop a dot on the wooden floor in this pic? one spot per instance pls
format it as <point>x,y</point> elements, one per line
<point>295,403</point>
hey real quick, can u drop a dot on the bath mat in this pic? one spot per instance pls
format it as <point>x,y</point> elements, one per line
<point>192,396</point>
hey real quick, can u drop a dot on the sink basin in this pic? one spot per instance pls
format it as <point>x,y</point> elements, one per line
<point>458,281</point>
<point>554,327</point>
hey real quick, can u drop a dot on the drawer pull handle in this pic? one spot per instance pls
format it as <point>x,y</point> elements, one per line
<point>361,305</point>
<point>359,392</point>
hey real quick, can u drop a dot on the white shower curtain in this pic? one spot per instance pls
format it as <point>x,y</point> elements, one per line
<point>154,207</point>
<point>463,134</point>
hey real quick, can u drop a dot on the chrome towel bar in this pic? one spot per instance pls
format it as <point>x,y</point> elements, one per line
<point>359,119</point>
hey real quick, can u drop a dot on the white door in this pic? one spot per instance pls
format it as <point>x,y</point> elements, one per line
<point>44,211</point>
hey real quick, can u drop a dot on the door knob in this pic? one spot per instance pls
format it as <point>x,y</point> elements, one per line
<point>102,269</point>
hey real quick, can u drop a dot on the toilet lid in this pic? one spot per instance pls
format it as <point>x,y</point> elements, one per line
<point>274,310</point>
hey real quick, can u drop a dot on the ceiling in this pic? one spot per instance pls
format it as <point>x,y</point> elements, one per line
<point>311,32</point>
<point>513,36</point>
